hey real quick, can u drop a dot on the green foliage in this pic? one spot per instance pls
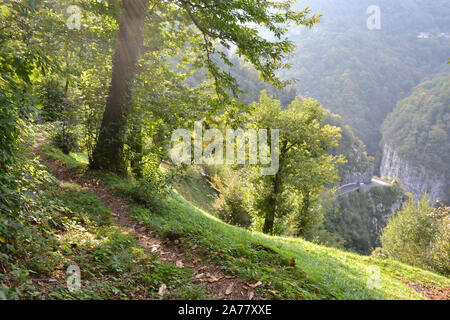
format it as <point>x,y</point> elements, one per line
<point>153,188</point>
<point>419,236</point>
<point>93,86</point>
<point>53,99</point>
<point>149,191</point>
<point>439,252</point>
<point>56,107</point>
<point>46,226</point>
<point>358,166</point>
<point>250,83</point>
<point>21,59</point>
<point>66,141</point>
<point>226,23</point>
<point>9,131</point>
<point>236,22</point>
<point>361,73</point>
<point>73,161</point>
<point>51,73</point>
<point>194,186</point>
<point>419,126</point>
<point>230,205</point>
<point>304,163</point>
<point>360,217</point>
<point>320,272</point>
<point>29,219</point>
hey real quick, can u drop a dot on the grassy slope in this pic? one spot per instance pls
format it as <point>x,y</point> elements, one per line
<point>113,264</point>
<point>195,189</point>
<point>319,272</point>
<point>73,227</point>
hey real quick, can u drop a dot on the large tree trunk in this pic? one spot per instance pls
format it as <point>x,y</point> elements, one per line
<point>108,153</point>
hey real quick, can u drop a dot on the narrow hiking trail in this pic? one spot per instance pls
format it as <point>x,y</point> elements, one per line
<point>219,284</point>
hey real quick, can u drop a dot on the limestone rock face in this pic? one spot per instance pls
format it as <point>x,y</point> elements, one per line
<point>414,178</point>
<point>358,167</point>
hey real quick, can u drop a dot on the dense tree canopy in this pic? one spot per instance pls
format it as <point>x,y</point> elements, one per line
<point>419,126</point>
<point>228,22</point>
<point>361,74</point>
<point>304,163</point>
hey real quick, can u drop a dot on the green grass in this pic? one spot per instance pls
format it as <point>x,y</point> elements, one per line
<point>73,227</point>
<point>319,272</point>
<point>74,161</point>
<point>194,188</point>
<point>113,264</point>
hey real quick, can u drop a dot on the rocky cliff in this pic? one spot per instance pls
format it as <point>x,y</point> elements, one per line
<point>359,166</point>
<point>415,178</point>
<point>416,139</point>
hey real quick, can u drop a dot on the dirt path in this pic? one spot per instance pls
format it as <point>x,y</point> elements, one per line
<point>219,284</point>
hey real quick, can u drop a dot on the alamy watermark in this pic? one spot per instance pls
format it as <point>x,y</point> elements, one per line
<point>74,278</point>
<point>374,19</point>
<point>236,143</point>
<point>74,20</point>
<point>374,280</point>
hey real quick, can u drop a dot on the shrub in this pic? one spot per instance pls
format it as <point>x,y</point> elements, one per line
<point>379,253</point>
<point>439,253</point>
<point>418,236</point>
<point>230,203</point>
<point>65,141</point>
<point>28,218</point>
<point>52,96</point>
<point>153,188</point>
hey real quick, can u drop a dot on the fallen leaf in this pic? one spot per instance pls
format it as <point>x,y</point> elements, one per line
<point>179,264</point>
<point>229,289</point>
<point>198,276</point>
<point>163,290</point>
<point>256,284</point>
<point>292,262</point>
<point>251,293</point>
<point>214,278</point>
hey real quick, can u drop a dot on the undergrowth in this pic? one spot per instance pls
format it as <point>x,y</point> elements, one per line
<point>113,265</point>
<point>47,226</point>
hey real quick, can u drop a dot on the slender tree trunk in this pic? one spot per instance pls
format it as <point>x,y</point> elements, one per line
<point>136,144</point>
<point>270,214</point>
<point>303,214</point>
<point>269,218</point>
<point>108,153</point>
